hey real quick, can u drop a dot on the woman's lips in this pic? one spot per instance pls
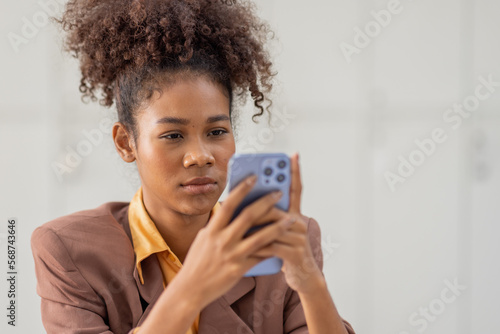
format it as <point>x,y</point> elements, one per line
<point>197,189</point>
<point>200,185</point>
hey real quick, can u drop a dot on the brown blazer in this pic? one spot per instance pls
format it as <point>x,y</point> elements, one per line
<point>88,282</point>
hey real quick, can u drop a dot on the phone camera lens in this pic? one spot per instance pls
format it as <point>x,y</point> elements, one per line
<point>268,171</point>
<point>282,164</point>
<point>280,177</point>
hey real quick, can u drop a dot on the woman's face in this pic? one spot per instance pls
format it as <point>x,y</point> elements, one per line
<point>185,141</point>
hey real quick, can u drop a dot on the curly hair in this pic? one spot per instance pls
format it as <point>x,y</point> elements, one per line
<point>128,49</point>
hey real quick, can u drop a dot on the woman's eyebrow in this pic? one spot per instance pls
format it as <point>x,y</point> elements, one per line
<point>173,120</point>
<point>185,121</point>
<point>218,118</point>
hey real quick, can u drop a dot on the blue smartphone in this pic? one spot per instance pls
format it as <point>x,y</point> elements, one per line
<point>273,173</point>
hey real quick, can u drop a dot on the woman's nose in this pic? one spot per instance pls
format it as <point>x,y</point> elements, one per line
<point>198,155</point>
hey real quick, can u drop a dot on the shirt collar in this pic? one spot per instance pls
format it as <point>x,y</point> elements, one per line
<point>146,238</point>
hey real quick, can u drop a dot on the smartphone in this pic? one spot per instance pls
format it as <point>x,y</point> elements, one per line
<point>273,173</point>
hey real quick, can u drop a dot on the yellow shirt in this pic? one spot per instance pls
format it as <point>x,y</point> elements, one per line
<point>147,240</point>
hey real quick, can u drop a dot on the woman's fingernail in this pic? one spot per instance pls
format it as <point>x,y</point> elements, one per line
<point>277,194</point>
<point>289,221</point>
<point>251,180</point>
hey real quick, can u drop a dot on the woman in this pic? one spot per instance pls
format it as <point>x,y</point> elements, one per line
<point>173,68</point>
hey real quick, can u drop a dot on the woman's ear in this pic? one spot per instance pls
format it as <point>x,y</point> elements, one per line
<point>124,142</point>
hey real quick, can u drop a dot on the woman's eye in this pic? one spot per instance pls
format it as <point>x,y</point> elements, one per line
<point>217,132</point>
<point>172,136</point>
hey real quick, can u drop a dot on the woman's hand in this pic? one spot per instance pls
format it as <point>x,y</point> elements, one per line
<point>301,271</point>
<point>220,255</point>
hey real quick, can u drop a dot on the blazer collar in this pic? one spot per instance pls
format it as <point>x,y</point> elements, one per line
<point>244,286</point>
<point>151,272</point>
<point>153,279</point>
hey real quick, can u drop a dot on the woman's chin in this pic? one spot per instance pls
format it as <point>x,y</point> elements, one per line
<point>198,206</point>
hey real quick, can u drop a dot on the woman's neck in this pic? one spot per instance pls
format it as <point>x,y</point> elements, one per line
<point>177,229</point>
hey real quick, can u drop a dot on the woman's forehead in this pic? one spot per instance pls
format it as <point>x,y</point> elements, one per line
<point>186,101</point>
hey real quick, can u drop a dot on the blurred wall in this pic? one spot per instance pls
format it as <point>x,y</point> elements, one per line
<point>394,108</point>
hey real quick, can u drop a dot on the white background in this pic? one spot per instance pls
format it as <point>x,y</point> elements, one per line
<point>387,253</point>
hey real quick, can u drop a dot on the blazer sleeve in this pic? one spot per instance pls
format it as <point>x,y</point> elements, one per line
<point>294,318</point>
<point>68,302</point>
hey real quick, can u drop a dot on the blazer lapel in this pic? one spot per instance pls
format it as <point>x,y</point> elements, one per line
<point>152,288</point>
<point>219,317</point>
<point>244,286</point>
<point>153,279</point>
<point>151,272</point>
<point>215,317</point>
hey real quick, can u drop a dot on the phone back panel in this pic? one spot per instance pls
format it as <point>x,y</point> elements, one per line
<point>273,173</point>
